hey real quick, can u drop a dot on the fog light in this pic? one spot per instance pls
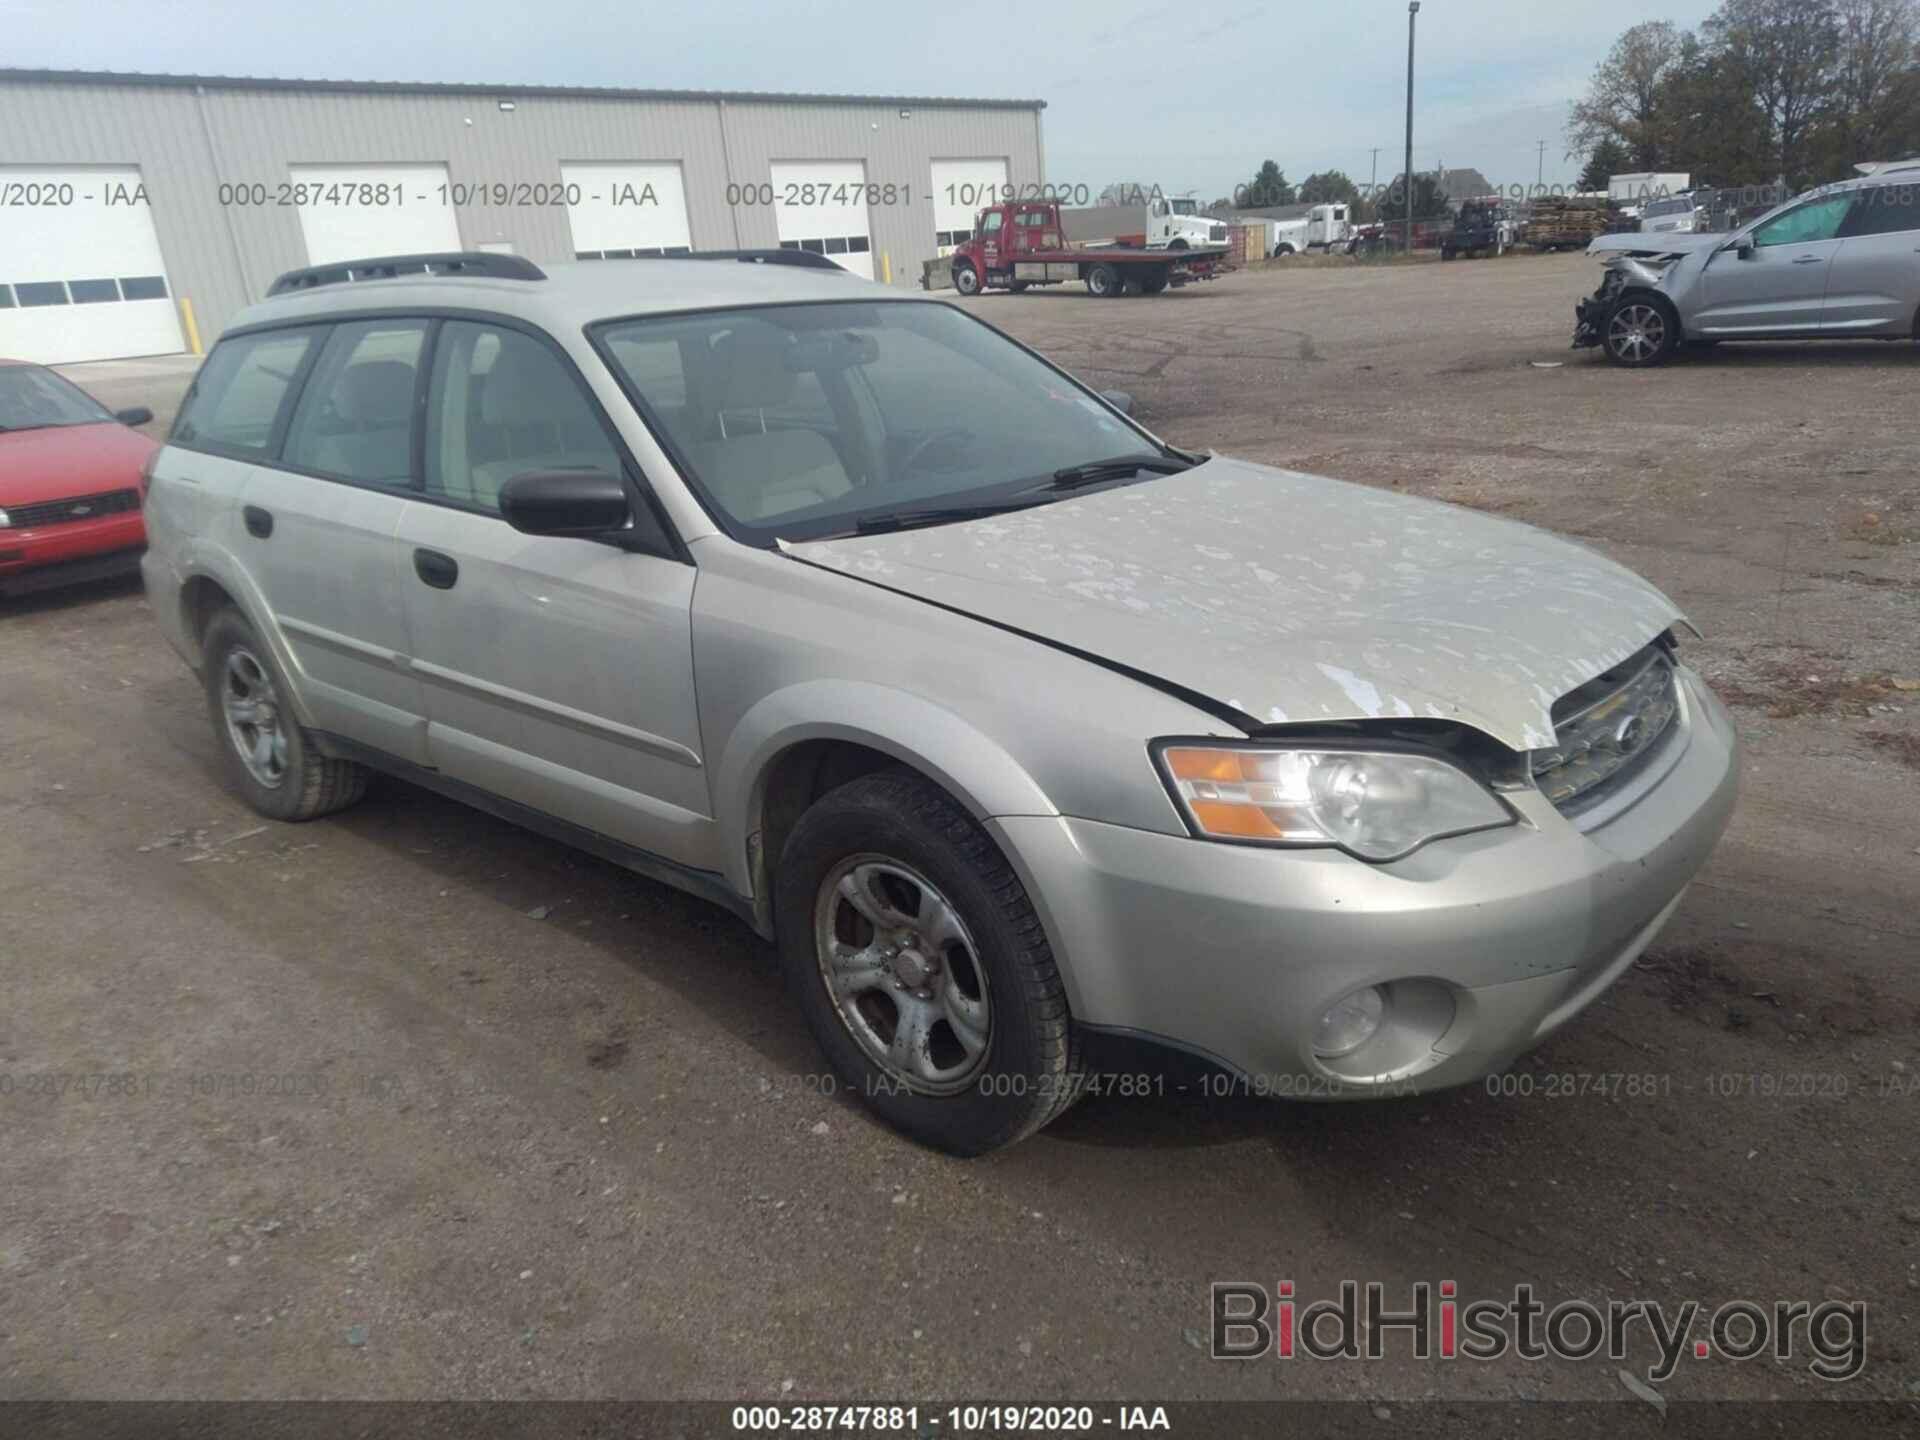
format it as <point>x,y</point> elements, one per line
<point>1350,1024</point>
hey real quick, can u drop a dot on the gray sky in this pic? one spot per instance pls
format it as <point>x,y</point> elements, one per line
<point>1187,96</point>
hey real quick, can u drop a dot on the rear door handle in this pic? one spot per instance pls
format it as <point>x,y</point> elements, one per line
<point>439,571</point>
<point>259,522</point>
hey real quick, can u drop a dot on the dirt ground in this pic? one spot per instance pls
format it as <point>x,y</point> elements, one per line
<point>389,1135</point>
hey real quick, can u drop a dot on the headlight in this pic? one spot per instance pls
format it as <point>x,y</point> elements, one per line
<point>1378,805</point>
<point>5,519</point>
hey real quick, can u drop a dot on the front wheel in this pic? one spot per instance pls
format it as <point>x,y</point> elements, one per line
<point>1641,332</point>
<point>1103,281</point>
<point>917,959</point>
<point>966,279</point>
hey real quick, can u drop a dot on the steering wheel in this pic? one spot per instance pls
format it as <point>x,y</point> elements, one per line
<point>947,433</point>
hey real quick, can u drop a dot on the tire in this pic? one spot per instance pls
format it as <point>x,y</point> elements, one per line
<point>1178,245</point>
<point>272,760</point>
<point>966,279</point>
<point>1640,332</point>
<point>1103,281</point>
<point>1153,284</point>
<point>1018,287</point>
<point>1282,250</point>
<point>1446,254</point>
<point>893,846</point>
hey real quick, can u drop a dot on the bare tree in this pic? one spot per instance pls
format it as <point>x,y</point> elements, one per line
<point>1878,45</point>
<point>1786,51</point>
<point>1623,100</point>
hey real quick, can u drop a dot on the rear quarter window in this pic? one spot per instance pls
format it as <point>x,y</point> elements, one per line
<point>242,391</point>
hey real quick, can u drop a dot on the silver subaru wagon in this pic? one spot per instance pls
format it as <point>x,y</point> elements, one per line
<point>1027,737</point>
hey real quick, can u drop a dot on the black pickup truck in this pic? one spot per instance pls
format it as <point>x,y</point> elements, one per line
<point>1483,227</point>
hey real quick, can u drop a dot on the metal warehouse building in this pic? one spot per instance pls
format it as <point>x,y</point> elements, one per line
<point>138,213</point>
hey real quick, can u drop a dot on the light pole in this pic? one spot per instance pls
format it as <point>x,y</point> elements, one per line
<point>1413,16</point>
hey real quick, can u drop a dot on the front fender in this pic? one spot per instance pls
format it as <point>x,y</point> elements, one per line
<point>971,766</point>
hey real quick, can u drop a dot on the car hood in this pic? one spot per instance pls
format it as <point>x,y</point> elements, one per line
<point>64,460</point>
<point>1659,242</point>
<point>1289,598</point>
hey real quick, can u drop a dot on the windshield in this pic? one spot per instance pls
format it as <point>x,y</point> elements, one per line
<point>799,421</point>
<point>35,399</point>
<point>1186,207</point>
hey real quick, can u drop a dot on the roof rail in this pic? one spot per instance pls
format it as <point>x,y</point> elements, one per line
<point>386,267</point>
<point>805,259</point>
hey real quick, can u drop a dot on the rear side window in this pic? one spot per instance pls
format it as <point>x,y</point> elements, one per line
<point>236,402</point>
<point>356,415</point>
<point>1885,210</point>
<point>502,404</point>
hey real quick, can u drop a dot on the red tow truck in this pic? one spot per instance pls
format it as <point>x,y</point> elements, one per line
<point>1021,244</point>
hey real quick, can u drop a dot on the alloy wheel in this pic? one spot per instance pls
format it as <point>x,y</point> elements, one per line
<point>1637,333</point>
<point>903,973</point>
<point>255,724</point>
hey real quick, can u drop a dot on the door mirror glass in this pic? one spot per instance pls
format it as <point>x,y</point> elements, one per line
<point>582,503</point>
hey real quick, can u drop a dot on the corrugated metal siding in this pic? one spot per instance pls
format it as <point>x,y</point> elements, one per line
<point>189,142</point>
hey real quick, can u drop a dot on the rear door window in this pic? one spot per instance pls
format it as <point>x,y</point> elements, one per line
<point>242,392</point>
<point>1885,210</point>
<point>356,416</point>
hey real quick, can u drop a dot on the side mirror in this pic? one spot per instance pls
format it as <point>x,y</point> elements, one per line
<point>588,504</point>
<point>138,415</point>
<point>1745,250</point>
<point>1119,399</point>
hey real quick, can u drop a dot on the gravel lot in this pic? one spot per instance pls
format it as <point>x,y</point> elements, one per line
<point>390,1135</point>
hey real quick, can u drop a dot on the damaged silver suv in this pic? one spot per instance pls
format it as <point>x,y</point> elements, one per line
<point>1016,728</point>
<point>1836,263</point>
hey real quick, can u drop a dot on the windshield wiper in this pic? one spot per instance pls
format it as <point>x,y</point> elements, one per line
<point>935,515</point>
<point>1075,477</point>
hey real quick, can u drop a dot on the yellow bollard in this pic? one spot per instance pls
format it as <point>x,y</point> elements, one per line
<point>886,268</point>
<point>193,327</point>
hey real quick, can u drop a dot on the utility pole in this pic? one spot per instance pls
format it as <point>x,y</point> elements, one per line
<point>1540,179</point>
<point>1373,185</point>
<point>1413,15</point>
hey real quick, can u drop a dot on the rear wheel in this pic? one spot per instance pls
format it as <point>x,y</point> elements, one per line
<point>1018,287</point>
<point>1103,281</point>
<point>1153,284</point>
<point>1642,331</point>
<point>966,279</point>
<point>915,955</point>
<point>272,759</point>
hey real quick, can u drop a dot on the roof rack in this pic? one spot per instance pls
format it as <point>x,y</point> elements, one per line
<point>386,267</point>
<point>805,259</point>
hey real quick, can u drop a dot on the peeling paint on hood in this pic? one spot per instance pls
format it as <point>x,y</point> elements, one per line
<point>1288,597</point>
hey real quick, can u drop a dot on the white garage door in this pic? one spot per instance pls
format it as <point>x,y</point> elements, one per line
<point>619,210</point>
<point>80,271</point>
<point>821,205</point>
<point>961,190</point>
<point>354,212</point>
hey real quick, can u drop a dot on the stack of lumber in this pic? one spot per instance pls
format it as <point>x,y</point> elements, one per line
<point>1565,221</point>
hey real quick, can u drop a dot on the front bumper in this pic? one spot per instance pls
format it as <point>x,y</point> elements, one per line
<point>1485,944</point>
<point>51,555</point>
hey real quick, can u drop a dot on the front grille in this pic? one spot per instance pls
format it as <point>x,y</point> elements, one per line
<point>1219,232</point>
<point>1604,730</point>
<point>78,507</point>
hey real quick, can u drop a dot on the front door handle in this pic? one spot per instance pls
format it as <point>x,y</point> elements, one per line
<point>259,522</point>
<point>439,571</point>
<point>1811,260</point>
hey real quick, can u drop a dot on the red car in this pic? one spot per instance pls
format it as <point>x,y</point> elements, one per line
<point>71,485</point>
